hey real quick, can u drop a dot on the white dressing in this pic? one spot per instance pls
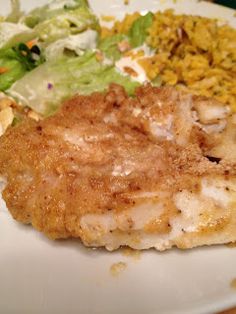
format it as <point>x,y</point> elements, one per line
<point>77,43</point>
<point>139,74</point>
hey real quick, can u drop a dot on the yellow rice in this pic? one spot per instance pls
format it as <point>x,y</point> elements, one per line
<point>191,52</point>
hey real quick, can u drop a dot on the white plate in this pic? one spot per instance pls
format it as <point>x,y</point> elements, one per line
<point>41,276</point>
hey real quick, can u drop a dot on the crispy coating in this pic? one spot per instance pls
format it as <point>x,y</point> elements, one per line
<point>99,152</point>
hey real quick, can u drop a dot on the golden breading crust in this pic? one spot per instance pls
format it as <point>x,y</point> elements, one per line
<point>106,155</point>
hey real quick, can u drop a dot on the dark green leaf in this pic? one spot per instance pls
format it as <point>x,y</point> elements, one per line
<point>15,70</point>
<point>18,60</point>
<point>35,49</point>
<point>138,31</point>
<point>26,56</point>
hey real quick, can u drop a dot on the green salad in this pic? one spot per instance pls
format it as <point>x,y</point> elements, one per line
<point>54,51</point>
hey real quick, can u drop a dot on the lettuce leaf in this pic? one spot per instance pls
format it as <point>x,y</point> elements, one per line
<point>138,31</point>
<point>44,88</point>
<point>72,45</point>
<point>15,70</point>
<point>109,46</point>
<point>16,62</point>
<point>52,10</point>
<point>66,24</point>
<point>61,18</point>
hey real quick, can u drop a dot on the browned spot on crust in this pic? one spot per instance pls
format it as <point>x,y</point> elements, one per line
<point>117,268</point>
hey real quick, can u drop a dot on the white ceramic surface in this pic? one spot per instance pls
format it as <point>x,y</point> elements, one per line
<point>41,276</point>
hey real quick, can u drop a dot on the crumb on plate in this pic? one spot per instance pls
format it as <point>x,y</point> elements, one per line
<point>117,268</point>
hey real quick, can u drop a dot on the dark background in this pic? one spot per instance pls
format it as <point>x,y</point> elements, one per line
<point>228,3</point>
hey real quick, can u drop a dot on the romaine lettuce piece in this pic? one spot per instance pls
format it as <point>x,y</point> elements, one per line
<point>72,45</point>
<point>109,46</point>
<point>51,10</point>
<point>138,31</point>
<point>44,88</point>
<point>69,23</point>
<point>13,70</point>
<point>60,19</point>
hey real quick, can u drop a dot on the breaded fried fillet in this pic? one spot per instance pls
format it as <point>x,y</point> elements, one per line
<point>150,171</point>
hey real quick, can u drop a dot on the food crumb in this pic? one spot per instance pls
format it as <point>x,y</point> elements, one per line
<point>134,254</point>
<point>233,283</point>
<point>126,2</point>
<point>34,115</point>
<point>117,268</point>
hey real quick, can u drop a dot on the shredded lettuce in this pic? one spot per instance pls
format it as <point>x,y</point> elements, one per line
<point>61,63</point>
<point>138,31</point>
<point>52,10</point>
<point>60,19</point>
<point>61,26</point>
<point>15,70</point>
<point>69,23</point>
<point>72,45</point>
<point>109,46</point>
<point>44,88</point>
